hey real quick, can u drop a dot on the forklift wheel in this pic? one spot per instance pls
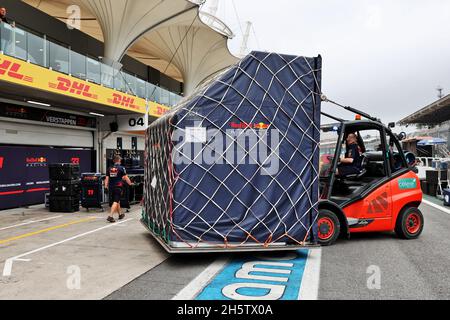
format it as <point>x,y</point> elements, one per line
<point>410,224</point>
<point>329,228</point>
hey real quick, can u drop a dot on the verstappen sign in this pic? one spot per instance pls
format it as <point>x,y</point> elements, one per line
<point>30,75</point>
<point>47,116</point>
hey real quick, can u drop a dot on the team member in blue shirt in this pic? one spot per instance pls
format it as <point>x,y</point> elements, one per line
<point>351,163</point>
<point>115,178</point>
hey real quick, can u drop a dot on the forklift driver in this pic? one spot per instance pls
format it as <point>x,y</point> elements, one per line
<point>351,163</point>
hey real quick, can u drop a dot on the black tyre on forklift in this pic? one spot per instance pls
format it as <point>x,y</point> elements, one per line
<point>410,223</point>
<point>329,227</point>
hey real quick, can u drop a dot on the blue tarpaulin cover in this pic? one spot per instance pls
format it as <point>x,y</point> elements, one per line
<point>237,163</point>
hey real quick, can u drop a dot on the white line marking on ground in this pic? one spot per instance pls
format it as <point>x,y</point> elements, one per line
<point>29,222</point>
<point>7,269</point>
<point>309,289</point>
<point>431,204</point>
<point>193,289</point>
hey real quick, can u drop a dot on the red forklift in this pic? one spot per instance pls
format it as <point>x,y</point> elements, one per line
<point>384,195</point>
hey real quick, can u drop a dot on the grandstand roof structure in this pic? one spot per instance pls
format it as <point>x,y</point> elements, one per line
<point>173,36</point>
<point>436,113</point>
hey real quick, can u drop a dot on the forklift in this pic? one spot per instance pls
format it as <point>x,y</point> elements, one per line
<point>383,195</point>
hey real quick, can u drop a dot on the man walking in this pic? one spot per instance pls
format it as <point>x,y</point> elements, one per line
<point>115,178</point>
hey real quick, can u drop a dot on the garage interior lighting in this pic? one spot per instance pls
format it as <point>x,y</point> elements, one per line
<point>96,114</point>
<point>39,103</point>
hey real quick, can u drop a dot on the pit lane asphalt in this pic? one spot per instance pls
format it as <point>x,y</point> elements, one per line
<point>418,269</point>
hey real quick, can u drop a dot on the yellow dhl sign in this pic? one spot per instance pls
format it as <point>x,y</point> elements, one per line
<point>30,75</point>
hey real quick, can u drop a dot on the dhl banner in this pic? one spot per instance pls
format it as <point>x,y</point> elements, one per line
<point>30,75</point>
<point>157,110</point>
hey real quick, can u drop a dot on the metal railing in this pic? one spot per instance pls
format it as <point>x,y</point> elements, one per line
<point>442,151</point>
<point>37,49</point>
<point>216,24</point>
<point>427,162</point>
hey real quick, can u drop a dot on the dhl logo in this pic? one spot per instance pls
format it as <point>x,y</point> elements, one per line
<point>124,101</point>
<point>12,70</point>
<point>160,111</point>
<point>74,87</point>
<point>244,125</point>
<point>379,205</point>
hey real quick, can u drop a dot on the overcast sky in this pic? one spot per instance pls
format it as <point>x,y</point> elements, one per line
<point>385,56</point>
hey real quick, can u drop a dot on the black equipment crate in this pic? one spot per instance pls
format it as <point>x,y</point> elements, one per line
<point>136,193</point>
<point>91,178</point>
<point>132,162</point>
<point>91,190</point>
<point>432,189</point>
<point>70,188</point>
<point>92,197</point>
<point>64,204</point>
<point>433,176</point>
<point>424,187</point>
<point>64,171</point>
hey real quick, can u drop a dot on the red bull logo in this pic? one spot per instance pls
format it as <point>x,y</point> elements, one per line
<point>244,125</point>
<point>113,172</point>
<point>36,162</point>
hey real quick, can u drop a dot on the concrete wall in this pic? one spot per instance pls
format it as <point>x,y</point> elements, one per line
<point>16,133</point>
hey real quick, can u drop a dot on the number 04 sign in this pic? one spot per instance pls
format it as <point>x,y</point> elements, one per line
<point>132,123</point>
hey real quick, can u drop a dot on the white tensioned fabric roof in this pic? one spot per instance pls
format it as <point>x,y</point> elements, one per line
<point>157,31</point>
<point>123,22</point>
<point>191,45</point>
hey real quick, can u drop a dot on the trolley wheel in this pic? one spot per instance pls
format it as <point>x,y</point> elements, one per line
<point>410,223</point>
<point>329,227</point>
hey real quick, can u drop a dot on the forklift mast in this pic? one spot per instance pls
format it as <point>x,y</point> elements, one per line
<point>350,109</point>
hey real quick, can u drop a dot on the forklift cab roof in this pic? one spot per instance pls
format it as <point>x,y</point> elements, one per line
<point>356,125</point>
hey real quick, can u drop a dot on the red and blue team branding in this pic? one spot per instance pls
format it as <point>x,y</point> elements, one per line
<point>114,172</point>
<point>244,125</point>
<point>33,162</point>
